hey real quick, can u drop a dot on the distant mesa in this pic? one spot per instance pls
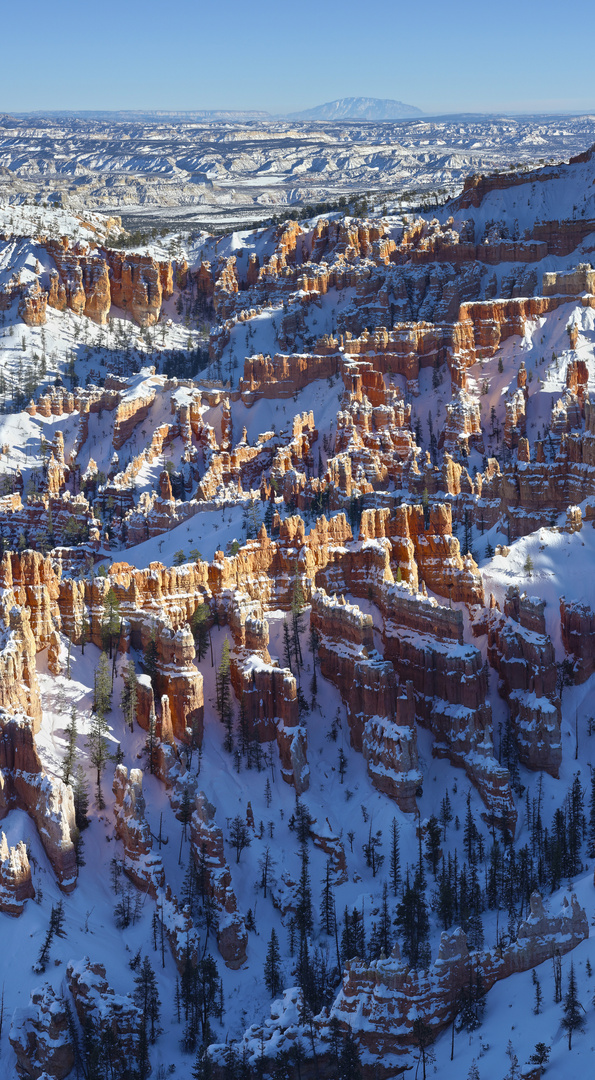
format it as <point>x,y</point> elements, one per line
<point>359,108</point>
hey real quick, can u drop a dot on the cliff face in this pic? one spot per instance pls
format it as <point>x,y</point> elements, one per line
<point>206,841</point>
<point>15,877</point>
<point>90,282</point>
<point>48,801</point>
<point>523,654</point>
<point>380,1001</point>
<point>41,1038</point>
<point>141,865</point>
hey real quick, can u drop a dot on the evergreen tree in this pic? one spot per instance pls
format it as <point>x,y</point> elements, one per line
<point>413,921</point>
<point>81,799</point>
<point>395,861</point>
<point>129,699</point>
<point>151,740</point>
<point>84,630</point>
<point>303,913</point>
<point>574,1017</point>
<point>111,623</point>
<point>297,621</point>
<point>98,750</point>
<point>350,1062</point>
<point>591,831</point>
<point>224,705</point>
<point>538,993</point>
<point>143,1063</point>
<point>71,734</point>
<point>200,630</point>
<point>266,865</point>
<point>239,835</point>
<point>371,851</point>
<point>102,693</point>
<point>203,1068</point>
<point>272,966</point>
<point>433,837</point>
<point>423,1037</point>
<point>541,1055</point>
<point>146,997</point>
<point>327,903</point>
<point>287,649</point>
<point>150,658</point>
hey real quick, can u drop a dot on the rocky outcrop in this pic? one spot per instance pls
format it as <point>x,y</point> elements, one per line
<point>143,866</point>
<point>425,644</point>
<point>15,877</point>
<point>206,841</point>
<point>41,1038</point>
<point>578,636</point>
<point>524,656</point>
<point>130,413</point>
<point>111,1014</point>
<point>266,693</point>
<point>47,800</point>
<point>33,305</point>
<point>380,1001</point>
<point>381,720</point>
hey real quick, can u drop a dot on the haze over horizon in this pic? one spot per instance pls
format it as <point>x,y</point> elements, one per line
<point>467,59</point>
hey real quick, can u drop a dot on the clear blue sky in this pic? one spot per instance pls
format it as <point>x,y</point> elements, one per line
<point>462,55</point>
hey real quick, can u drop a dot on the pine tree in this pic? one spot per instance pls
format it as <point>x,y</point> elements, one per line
<point>266,865</point>
<point>98,750</point>
<point>423,1037</point>
<point>151,740</point>
<point>541,1054</point>
<point>413,921</point>
<point>327,903</point>
<point>395,861</point>
<point>81,799</point>
<point>203,1067</point>
<point>591,832</point>
<point>538,993</point>
<point>433,837</point>
<point>84,630</point>
<point>146,997</point>
<point>514,1071</point>
<point>71,734</point>
<point>224,705</point>
<point>102,693</point>
<point>350,1062</point>
<point>573,1018</point>
<point>303,913</point>
<point>129,699</point>
<point>297,621</point>
<point>143,1063</point>
<point>287,650</point>
<point>111,623</point>
<point>272,972</point>
<point>150,658</point>
<point>200,630</point>
<point>239,836</point>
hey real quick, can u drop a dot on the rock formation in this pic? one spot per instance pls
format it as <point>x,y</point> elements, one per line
<point>207,849</point>
<point>41,1038</point>
<point>15,877</point>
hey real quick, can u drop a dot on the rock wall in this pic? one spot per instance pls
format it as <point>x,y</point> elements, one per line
<point>206,841</point>
<point>142,865</point>
<point>380,1001</point>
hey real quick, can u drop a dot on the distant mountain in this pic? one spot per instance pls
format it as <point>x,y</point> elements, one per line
<point>359,108</point>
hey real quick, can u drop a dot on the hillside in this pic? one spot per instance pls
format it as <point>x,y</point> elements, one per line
<point>298,636</point>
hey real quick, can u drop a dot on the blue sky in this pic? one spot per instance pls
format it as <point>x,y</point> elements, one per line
<point>514,55</point>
